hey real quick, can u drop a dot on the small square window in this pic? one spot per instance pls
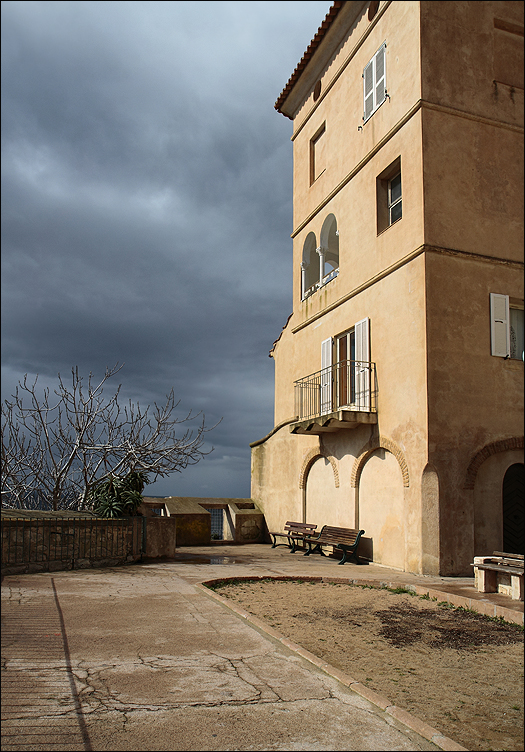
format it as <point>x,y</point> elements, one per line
<point>318,154</point>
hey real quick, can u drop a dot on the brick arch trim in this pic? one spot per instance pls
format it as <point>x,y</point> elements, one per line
<point>381,443</point>
<point>505,445</point>
<point>309,460</point>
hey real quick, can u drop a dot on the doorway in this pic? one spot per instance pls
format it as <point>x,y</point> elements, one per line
<point>513,510</point>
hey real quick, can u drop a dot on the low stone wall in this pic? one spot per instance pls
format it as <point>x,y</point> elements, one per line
<point>52,541</point>
<point>243,522</point>
<point>161,537</point>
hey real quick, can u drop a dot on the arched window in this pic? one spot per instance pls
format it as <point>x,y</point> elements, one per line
<point>309,267</point>
<point>330,246</point>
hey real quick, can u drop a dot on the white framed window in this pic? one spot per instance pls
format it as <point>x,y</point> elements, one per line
<point>374,83</point>
<point>506,327</point>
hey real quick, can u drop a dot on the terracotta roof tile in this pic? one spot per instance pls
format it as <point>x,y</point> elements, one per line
<point>314,44</point>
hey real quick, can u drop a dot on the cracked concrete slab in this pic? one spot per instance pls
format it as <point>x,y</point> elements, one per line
<point>138,658</point>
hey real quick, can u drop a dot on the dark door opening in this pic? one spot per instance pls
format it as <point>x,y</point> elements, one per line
<point>513,510</point>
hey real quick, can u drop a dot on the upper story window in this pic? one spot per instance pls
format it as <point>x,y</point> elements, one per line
<point>309,267</point>
<point>330,249</point>
<point>374,83</point>
<point>389,196</point>
<point>395,210</point>
<point>506,327</point>
<point>318,154</point>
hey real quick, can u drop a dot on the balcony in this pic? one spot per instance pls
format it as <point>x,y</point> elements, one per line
<point>318,285</point>
<point>341,396</point>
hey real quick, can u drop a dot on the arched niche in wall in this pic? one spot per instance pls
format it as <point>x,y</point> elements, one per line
<point>330,244</point>
<point>493,498</point>
<point>382,507</point>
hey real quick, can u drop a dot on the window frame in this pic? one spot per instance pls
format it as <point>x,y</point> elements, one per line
<point>398,202</point>
<point>314,144</point>
<point>383,191</point>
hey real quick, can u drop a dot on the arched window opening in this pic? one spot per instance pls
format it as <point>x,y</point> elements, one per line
<point>330,246</point>
<point>309,267</point>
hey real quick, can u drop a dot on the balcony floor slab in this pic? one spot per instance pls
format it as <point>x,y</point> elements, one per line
<point>332,422</point>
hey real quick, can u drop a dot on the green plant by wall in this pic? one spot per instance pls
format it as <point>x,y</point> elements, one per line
<point>118,497</point>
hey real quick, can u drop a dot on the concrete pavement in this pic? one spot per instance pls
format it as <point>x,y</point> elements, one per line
<point>143,657</point>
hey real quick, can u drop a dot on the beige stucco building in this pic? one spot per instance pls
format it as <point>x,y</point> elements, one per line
<point>399,374</point>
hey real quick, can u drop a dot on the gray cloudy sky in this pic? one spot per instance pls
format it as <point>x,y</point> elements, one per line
<point>147,206</point>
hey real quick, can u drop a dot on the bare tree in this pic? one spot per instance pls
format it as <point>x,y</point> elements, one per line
<point>58,446</point>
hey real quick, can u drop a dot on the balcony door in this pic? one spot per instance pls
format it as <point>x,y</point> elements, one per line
<point>352,372</point>
<point>345,375</point>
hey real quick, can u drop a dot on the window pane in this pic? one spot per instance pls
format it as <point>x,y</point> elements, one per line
<point>516,333</point>
<point>396,212</point>
<point>395,188</point>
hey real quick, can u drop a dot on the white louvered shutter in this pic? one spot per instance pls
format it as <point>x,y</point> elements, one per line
<point>380,77</point>
<point>374,82</point>
<point>326,376</point>
<point>368,88</point>
<point>362,365</point>
<point>499,325</point>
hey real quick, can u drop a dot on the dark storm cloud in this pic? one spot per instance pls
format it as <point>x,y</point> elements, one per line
<point>146,200</point>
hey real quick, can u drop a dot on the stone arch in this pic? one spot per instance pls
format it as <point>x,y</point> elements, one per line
<point>329,242</point>
<point>309,460</point>
<point>381,443</point>
<point>505,445</point>
<point>309,264</point>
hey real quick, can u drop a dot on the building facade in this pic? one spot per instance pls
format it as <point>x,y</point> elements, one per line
<point>399,374</point>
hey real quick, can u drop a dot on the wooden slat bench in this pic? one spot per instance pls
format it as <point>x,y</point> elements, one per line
<point>294,532</point>
<point>502,572</point>
<point>342,538</point>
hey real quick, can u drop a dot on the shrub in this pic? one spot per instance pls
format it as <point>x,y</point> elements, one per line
<point>118,497</point>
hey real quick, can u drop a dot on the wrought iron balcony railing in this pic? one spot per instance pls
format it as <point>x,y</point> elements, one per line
<point>347,385</point>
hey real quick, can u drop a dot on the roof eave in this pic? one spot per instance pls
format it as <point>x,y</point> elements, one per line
<point>280,104</point>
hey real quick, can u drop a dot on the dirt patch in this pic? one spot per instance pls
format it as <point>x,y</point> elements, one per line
<point>457,670</point>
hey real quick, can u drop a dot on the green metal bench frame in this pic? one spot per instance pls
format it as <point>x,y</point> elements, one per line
<point>294,532</point>
<point>343,538</point>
